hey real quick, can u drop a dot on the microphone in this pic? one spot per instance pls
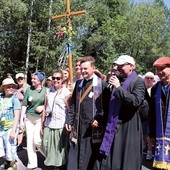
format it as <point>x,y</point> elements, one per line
<point>116,74</point>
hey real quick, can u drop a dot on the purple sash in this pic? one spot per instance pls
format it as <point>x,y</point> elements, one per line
<point>162,146</point>
<point>114,107</point>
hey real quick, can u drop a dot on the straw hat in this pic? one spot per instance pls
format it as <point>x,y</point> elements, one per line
<point>8,81</point>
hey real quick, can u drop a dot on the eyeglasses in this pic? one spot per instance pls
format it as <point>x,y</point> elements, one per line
<point>10,86</point>
<point>149,78</point>
<point>20,78</point>
<point>56,78</point>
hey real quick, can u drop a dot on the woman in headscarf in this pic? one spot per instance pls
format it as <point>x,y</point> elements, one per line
<point>33,106</point>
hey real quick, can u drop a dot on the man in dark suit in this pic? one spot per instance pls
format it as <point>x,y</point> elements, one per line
<point>159,114</point>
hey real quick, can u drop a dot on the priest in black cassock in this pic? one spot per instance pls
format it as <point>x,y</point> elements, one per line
<point>159,114</point>
<point>87,117</point>
<point>121,147</point>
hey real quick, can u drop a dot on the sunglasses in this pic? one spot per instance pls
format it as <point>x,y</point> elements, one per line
<point>20,78</point>
<point>56,78</point>
<point>10,86</point>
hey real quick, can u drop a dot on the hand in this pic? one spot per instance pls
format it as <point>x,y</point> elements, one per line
<point>22,125</point>
<point>12,135</point>
<point>95,123</point>
<point>42,130</point>
<point>70,87</point>
<point>68,127</point>
<point>114,81</point>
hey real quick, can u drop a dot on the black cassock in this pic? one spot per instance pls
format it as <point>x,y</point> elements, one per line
<point>83,154</point>
<point>126,150</point>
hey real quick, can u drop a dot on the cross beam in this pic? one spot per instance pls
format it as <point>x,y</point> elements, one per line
<point>67,15</point>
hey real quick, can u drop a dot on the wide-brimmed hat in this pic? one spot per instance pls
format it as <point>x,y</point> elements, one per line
<point>8,81</point>
<point>162,61</point>
<point>123,59</point>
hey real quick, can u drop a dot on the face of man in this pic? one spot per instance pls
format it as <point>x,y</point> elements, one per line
<point>49,83</point>
<point>162,72</point>
<point>65,75</point>
<point>20,81</point>
<point>149,81</point>
<point>87,70</point>
<point>125,69</point>
<point>78,67</point>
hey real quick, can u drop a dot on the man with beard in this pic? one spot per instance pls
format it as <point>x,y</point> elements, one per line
<point>121,148</point>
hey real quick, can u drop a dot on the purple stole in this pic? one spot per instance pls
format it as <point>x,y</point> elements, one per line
<point>162,145</point>
<point>114,108</point>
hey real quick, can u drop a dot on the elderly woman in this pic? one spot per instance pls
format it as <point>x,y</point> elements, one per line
<point>33,105</point>
<point>55,136</point>
<point>9,115</point>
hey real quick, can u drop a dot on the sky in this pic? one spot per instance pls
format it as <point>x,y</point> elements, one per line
<point>167,2</point>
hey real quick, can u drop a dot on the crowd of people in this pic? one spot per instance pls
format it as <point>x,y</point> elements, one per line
<point>97,123</point>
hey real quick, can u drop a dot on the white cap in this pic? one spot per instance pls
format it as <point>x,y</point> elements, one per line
<point>19,75</point>
<point>125,59</point>
<point>149,74</point>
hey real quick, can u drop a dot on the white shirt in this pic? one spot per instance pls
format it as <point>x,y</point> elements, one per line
<point>56,105</point>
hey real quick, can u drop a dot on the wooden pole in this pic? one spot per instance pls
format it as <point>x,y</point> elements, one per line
<point>67,15</point>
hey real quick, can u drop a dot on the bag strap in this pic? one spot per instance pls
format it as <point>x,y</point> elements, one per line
<point>74,139</point>
<point>85,93</point>
<point>54,100</point>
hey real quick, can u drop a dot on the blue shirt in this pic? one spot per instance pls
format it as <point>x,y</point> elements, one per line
<point>7,107</point>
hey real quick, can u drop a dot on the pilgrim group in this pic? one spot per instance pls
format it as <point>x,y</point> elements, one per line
<point>97,122</point>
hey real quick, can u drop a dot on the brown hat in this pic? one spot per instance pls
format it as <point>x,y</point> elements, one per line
<point>162,62</point>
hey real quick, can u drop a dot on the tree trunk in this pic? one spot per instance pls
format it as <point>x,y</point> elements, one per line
<point>48,31</point>
<point>29,39</point>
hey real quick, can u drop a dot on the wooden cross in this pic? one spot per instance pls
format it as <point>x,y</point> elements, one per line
<point>67,15</point>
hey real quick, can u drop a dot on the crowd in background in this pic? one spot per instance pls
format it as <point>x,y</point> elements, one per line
<point>99,122</point>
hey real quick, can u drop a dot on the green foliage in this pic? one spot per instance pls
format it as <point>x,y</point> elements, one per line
<point>108,29</point>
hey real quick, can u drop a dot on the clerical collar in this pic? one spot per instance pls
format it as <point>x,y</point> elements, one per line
<point>89,78</point>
